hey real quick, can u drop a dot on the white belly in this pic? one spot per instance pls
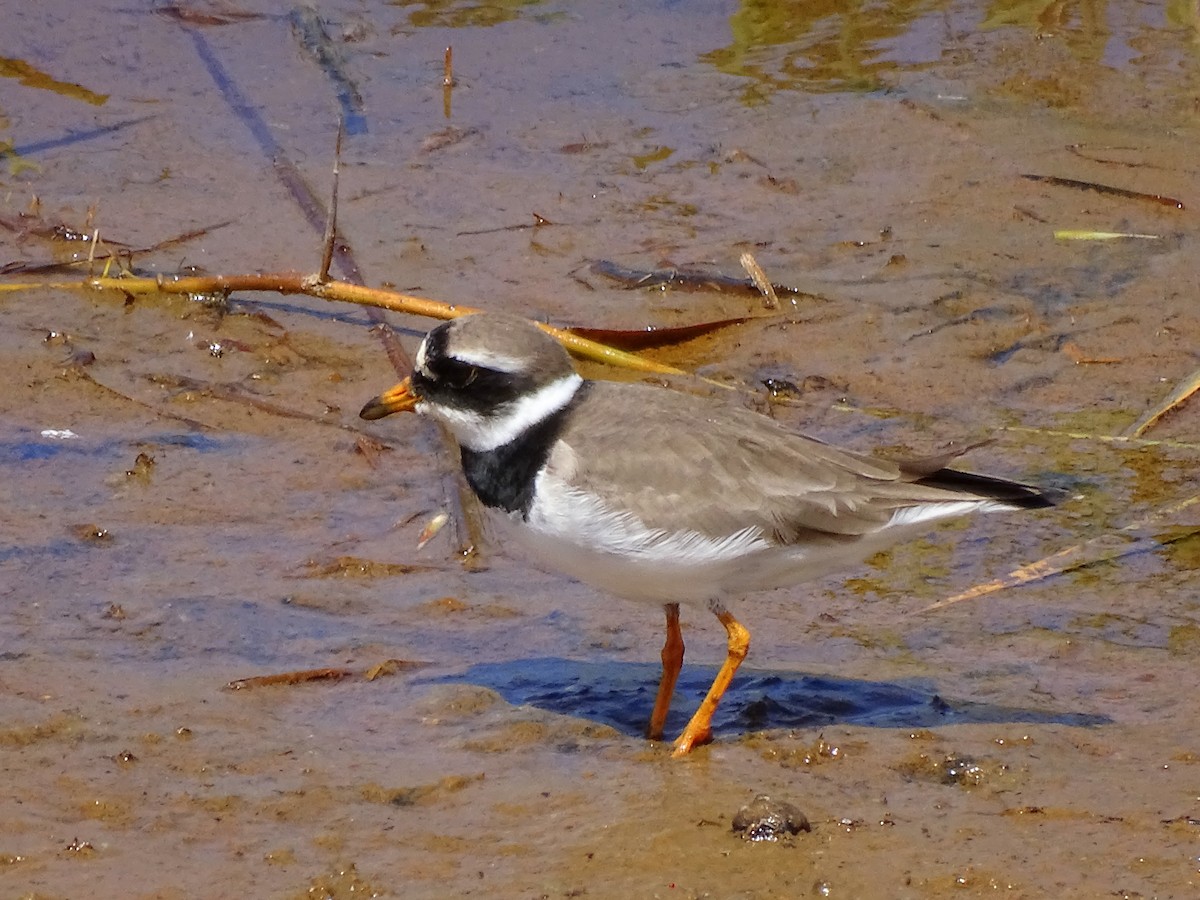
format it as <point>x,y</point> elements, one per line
<point>574,534</point>
<point>651,575</point>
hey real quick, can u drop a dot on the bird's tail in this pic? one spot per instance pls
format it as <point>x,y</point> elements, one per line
<point>1011,493</point>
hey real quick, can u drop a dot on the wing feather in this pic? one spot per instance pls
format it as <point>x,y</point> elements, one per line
<point>717,471</point>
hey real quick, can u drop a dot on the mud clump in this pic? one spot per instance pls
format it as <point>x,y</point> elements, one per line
<point>764,819</point>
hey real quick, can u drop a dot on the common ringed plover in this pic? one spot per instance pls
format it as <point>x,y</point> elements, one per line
<point>661,496</point>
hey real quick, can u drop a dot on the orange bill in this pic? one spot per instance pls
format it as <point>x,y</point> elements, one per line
<point>398,399</point>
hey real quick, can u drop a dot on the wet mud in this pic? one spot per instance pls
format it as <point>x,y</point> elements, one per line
<point>189,501</point>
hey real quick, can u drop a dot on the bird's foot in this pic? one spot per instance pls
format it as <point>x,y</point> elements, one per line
<point>690,739</point>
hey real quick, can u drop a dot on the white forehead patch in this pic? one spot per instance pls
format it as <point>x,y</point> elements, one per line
<point>490,359</point>
<point>419,361</point>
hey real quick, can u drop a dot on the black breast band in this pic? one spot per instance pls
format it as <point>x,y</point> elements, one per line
<point>503,478</point>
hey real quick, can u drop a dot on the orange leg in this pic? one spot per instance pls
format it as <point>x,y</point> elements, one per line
<point>672,662</point>
<point>699,729</point>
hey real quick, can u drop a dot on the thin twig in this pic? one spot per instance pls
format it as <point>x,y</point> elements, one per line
<point>1102,438</point>
<point>1177,397</point>
<point>91,260</point>
<point>447,81</point>
<point>760,279</point>
<point>1077,150</point>
<point>331,219</point>
<point>1113,545</point>
<point>290,678</point>
<point>312,286</point>
<point>1105,189</point>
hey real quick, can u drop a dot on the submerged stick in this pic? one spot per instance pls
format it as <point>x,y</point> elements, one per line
<point>313,37</point>
<point>1105,189</point>
<point>1177,397</point>
<point>300,677</point>
<point>1113,545</point>
<point>688,279</point>
<point>1125,439</point>
<point>303,676</point>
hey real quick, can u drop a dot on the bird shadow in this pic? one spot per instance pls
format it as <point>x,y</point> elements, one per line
<point>622,694</point>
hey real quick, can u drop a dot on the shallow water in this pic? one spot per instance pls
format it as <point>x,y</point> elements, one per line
<point>217,511</point>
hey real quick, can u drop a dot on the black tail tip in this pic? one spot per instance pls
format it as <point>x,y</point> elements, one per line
<point>1041,498</point>
<point>986,487</point>
<point>1038,498</point>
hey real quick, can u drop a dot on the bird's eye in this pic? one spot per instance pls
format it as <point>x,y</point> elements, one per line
<point>458,375</point>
